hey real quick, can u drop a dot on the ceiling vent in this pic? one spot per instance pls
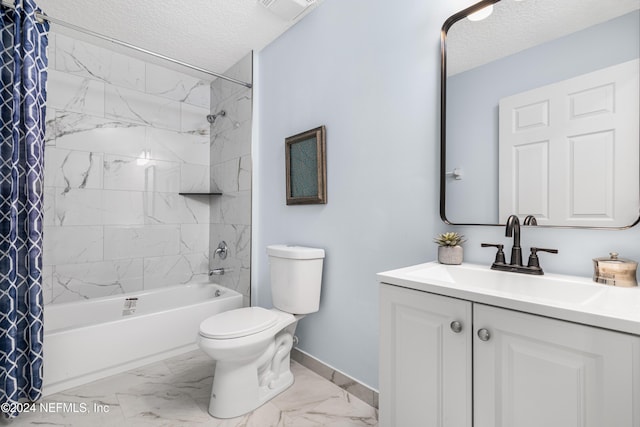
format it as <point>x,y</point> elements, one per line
<point>287,9</point>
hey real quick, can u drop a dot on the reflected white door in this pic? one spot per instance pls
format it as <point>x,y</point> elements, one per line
<point>569,152</point>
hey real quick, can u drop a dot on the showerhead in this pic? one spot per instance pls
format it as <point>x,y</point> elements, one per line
<point>211,118</point>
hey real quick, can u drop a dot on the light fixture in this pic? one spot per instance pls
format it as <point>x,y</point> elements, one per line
<point>143,158</point>
<point>481,14</point>
<point>287,9</point>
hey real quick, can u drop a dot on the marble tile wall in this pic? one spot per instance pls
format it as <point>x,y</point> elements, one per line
<point>123,138</point>
<point>231,173</point>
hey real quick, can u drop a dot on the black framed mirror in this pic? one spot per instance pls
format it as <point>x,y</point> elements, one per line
<point>540,109</point>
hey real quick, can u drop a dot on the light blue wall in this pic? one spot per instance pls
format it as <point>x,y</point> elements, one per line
<point>473,96</point>
<point>369,71</point>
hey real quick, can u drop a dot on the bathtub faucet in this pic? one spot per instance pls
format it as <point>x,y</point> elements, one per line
<point>222,250</point>
<point>216,272</point>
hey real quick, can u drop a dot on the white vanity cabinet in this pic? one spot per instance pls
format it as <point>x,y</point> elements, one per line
<point>425,359</point>
<point>503,368</point>
<point>534,371</point>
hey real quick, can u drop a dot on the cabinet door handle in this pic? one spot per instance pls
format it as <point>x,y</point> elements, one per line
<point>456,326</point>
<point>484,334</point>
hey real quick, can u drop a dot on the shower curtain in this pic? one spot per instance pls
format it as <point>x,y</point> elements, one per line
<point>22,108</point>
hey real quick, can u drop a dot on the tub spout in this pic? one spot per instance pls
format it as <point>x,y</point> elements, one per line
<point>216,272</point>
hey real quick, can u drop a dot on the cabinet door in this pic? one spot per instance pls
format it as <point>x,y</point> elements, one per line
<point>425,367</point>
<point>534,371</point>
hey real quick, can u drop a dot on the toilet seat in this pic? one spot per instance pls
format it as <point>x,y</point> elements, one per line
<point>237,323</point>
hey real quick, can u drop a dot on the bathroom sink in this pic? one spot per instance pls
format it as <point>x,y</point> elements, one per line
<point>572,298</point>
<point>550,288</point>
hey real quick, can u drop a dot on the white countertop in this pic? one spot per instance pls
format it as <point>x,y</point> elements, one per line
<point>571,298</point>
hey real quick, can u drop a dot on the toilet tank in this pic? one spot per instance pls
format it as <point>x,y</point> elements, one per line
<point>296,275</point>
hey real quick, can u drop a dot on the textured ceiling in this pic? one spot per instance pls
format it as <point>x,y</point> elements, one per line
<point>517,25</point>
<point>211,34</point>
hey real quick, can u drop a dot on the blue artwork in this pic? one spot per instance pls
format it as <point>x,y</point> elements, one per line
<point>304,168</point>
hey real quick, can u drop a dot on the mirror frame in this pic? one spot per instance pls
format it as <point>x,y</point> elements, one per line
<point>443,120</point>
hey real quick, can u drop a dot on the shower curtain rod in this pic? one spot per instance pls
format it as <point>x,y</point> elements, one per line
<point>130,46</point>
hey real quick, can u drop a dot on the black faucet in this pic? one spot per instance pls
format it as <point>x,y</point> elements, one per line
<point>513,230</point>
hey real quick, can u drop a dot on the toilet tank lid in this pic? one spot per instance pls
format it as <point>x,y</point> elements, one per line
<point>294,252</point>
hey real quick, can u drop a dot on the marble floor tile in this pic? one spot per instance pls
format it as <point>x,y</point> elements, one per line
<point>175,392</point>
<point>310,390</point>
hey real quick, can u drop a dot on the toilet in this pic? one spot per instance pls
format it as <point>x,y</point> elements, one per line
<point>251,345</point>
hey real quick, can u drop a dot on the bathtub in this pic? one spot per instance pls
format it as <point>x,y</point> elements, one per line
<point>92,339</point>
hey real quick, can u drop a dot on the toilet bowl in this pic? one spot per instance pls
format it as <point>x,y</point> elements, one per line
<point>251,345</point>
<point>252,357</point>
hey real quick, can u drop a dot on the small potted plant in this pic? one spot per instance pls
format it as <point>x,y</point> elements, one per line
<point>449,249</point>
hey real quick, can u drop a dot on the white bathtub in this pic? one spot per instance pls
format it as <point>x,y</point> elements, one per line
<point>88,340</point>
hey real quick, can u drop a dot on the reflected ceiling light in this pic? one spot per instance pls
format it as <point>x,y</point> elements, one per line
<point>481,14</point>
<point>143,158</point>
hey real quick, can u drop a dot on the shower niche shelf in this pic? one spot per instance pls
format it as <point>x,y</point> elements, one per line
<point>202,193</point>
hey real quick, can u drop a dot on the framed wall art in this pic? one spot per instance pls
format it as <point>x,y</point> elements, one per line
<point>306,166</point>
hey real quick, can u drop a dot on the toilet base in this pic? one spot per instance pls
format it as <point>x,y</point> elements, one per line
<point>251,396</point>
<point>240,387</point>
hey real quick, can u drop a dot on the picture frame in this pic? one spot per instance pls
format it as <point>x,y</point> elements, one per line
<point>306,167</point>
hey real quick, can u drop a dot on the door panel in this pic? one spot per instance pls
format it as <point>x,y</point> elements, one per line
<point>588,173</point>
<point>535,371</point>
<point>425,367</point>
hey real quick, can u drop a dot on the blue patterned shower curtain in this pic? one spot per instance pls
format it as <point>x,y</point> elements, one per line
<point>22,107</point>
